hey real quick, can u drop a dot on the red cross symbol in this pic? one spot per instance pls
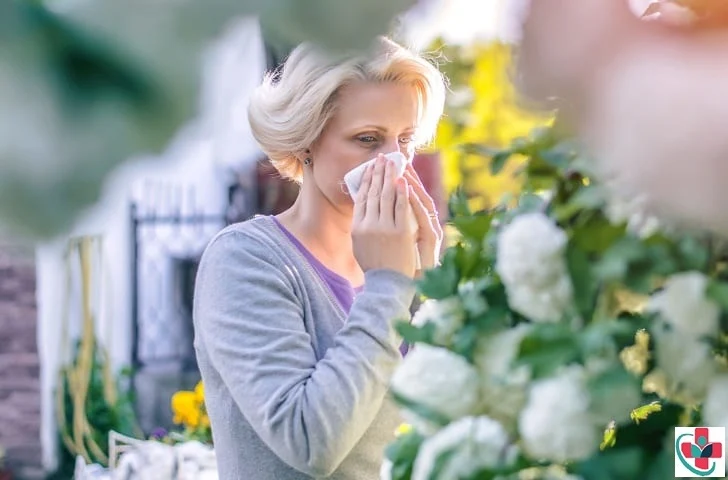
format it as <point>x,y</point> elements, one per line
<point>702,450</point>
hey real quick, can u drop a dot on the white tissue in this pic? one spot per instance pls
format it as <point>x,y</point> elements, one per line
<point>353,178</point>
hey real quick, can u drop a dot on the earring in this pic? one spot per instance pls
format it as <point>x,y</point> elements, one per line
<point>307,161</point>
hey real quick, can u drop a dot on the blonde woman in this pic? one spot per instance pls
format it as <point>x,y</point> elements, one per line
<point>294,313</point>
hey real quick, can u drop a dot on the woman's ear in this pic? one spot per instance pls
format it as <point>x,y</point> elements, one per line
<point>302,155</point>
<point>305,157</point>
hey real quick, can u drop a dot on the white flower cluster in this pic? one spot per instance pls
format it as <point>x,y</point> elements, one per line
<point>471,444</point>
<point>504,388</point>
<point>556,423</point>
<point>533,269</point>
<point>688,319</point>
<point>634,213</point>
<point>439,380</point>
<point>447,316</point>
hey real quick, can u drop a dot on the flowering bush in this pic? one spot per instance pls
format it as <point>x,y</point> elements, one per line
<point>189,411</point>
<point>563,336</point>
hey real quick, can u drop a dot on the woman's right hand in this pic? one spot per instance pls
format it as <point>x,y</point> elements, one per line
<point>382,232</point>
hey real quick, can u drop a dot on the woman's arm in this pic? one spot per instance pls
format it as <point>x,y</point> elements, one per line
<point>311,414</point>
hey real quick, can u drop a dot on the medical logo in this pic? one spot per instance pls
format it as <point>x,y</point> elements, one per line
<point>700,452</point>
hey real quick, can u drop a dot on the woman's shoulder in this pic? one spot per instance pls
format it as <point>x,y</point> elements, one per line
<point>254,238</point>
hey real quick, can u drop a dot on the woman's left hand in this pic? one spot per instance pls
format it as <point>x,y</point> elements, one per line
<point>430,234</point>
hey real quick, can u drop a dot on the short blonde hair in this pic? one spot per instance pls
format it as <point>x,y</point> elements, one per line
<point>289,111</point>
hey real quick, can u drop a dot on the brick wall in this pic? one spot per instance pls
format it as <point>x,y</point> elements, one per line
<point>19,364</point>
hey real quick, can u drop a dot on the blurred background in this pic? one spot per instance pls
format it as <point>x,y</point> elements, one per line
<point>124,147</point>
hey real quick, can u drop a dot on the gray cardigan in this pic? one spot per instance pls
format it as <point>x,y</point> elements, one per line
<point>294,388</point>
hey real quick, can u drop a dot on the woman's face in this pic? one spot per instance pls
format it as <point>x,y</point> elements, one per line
<point>370,118</point>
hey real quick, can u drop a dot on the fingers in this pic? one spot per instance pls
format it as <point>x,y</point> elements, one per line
<point>428,239</point>
<point>375,189</point>
<point>420,211</point>
<point>387,201</point>
<point>360,203</point>
<point>419,188</point>
<point>425,199</point>
<point>402,203</point>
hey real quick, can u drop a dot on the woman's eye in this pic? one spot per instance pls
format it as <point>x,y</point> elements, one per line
<point>367,139</point>
<point>405,140</point>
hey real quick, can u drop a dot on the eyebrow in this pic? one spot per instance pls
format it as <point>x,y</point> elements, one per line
<point>382,129</point>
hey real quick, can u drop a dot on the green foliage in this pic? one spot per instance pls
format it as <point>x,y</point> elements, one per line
<point>102,416</point>
<point>402,453</point>
<point>613,268</point>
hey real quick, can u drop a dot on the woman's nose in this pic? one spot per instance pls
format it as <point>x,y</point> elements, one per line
<point>391,145</point>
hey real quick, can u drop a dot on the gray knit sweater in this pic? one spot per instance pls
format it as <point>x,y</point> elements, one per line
<point>294,388</point>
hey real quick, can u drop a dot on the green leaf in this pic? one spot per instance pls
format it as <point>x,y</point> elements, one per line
<point>402,453</point>
<point>640,414</point>
<point>499,160</point>
<point>413,334</point>
<point>441,282</point>
<point>602,388</point>
<point>469,260</point>
<point>612,464</point>
<point>465,340</point>
<point>651,432</point>
<point>548,347</point>
<point>583,281</point>
<point>473,227</point>
<point>693,254</point>
<point>420,410</point>
<point>495,318</point>
<point>662,465</point>
<point>530,202</point>
<point>596,234</point>
<point>586,198</point>
<point>442,461</point>
<point>615,263</point>
<point>556,157</point>
<point>610,333</point>
<point>718,292</point>
<point>609,438</point>
<point>458,205</point>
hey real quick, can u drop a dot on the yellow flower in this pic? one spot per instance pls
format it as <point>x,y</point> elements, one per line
<point>186,409</point>
<point>204,420</point>
<point>403,429</point>
<point>200,392</point>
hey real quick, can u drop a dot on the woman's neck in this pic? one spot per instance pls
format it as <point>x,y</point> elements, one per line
<point>325,230</point>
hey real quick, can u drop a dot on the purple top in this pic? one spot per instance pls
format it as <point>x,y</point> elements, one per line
<point>338,285</point>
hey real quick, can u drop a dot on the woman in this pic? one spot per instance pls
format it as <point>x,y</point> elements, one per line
<point>294,314</point>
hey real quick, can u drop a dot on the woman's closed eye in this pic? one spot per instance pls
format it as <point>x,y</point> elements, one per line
<point>367,139</point>
<point>371,140</point>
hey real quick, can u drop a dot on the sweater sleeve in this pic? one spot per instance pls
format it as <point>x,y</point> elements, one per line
<point>310,413</point>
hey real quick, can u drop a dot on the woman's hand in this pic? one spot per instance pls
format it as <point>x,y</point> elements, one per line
<point>382,233</point>
<point>429,234</point>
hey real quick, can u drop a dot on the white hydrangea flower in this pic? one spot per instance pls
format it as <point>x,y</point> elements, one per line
<point>438,379</point>
<point>634,213</point>
<point>556,424</point>
<point>533,269</point>
<point>686,362</point>
<point>684,306</point>
<point>505,388</point>
<point>688,317</point>
<point>474,443</point>
<point>385,472</point>
<point>715,408</point>
<point>446,315</point>
<point>472,298</point>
